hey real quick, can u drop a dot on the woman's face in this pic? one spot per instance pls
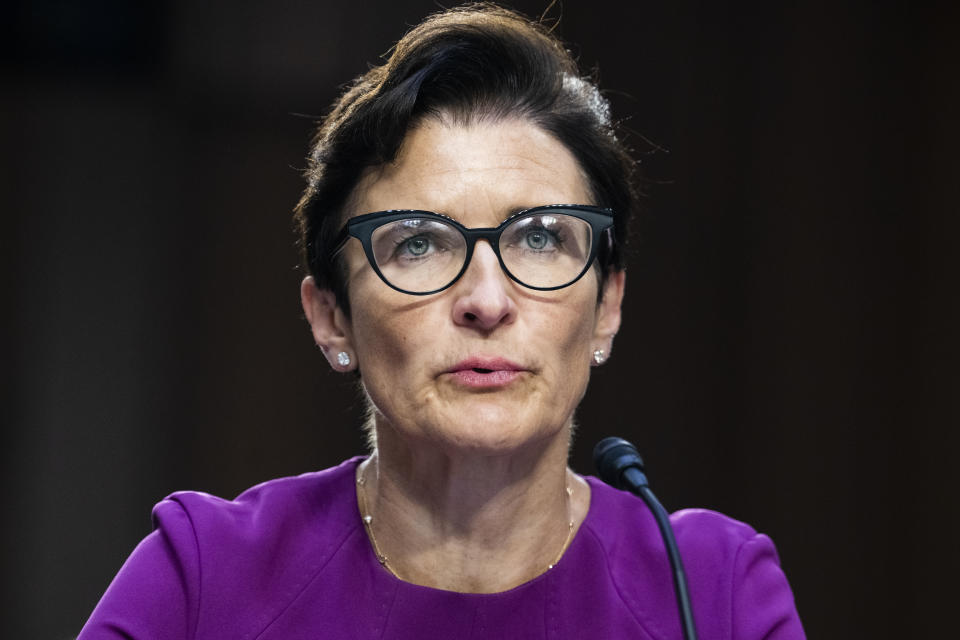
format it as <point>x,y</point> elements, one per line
<point>486,365</point>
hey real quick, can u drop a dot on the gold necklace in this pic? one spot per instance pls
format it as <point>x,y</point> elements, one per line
<point>382,559</point>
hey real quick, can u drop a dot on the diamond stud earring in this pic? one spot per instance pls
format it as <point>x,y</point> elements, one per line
<point>598,356</point>
<point>343,359</point>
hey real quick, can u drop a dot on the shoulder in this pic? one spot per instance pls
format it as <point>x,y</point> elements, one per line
<point>736,584</point>
<point>255,553</point>
<point>274,508</point>
<point>712,538</point>
<point>623,513</point>
<point>734,572</point>
<point>624,522</point>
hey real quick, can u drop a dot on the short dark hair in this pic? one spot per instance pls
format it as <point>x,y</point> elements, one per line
<point>476,62</point>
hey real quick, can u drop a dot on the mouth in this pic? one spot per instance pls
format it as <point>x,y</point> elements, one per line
<point>483,364</point>
<point>485,373</point>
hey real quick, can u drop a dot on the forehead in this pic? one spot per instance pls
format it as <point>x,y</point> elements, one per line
<point>478,173</point>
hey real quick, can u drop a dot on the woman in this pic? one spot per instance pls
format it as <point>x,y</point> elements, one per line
<point>462,228</point>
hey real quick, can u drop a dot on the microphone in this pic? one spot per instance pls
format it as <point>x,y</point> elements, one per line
<point>619,464</point>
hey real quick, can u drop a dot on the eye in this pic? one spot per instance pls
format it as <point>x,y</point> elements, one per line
<point>415,242</point>
<point>417,245</point>
<point>537,239</point>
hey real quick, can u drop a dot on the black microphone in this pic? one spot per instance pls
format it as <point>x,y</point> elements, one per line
<point>619,464</point>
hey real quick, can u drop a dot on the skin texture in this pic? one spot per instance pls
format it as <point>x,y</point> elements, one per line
<point>467,486</point>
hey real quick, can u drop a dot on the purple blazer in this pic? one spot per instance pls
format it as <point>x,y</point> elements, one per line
<point>289,559</point>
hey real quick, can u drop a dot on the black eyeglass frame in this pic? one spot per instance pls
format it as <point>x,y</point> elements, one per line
<point>362,227</point>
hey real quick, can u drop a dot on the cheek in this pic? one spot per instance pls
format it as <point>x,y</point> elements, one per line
<point>577,354</point>
<point>378,340</point>
<point>382,359</point>
<point>393,343</point>
<point>569,334</point>
<point>577,320</point>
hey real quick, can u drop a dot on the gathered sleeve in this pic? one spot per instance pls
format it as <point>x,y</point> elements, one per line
<point>737,588</point>
<point>762,604</point>
<point>156,593</point>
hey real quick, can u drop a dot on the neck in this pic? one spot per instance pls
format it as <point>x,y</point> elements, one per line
<point>478,524</point>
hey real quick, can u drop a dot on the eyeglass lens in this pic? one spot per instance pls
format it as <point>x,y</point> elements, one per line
<point>424,254</point>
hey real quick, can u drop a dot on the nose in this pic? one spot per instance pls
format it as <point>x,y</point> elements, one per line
<point>484,297</point>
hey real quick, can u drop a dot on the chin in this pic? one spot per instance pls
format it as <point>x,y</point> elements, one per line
<point>494,428</point>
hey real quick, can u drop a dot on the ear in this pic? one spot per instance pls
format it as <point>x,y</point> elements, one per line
<point>329,325</point>
<point>608,312</point>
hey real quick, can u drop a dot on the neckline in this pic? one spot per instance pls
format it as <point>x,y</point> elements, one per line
<point>386,578</point>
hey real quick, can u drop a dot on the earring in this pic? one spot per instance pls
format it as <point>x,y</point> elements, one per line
<point>598,357</point>
<point>343,359</point>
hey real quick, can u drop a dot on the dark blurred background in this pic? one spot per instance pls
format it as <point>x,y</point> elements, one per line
<point>788,356</point>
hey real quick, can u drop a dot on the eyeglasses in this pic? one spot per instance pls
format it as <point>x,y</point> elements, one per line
<point>421,252</point>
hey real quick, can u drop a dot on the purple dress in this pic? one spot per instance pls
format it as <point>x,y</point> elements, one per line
<point>289,559</point>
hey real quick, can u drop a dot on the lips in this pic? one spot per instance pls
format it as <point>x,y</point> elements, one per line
<point>481,372</point>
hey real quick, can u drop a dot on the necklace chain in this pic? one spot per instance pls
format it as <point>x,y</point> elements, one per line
<point>382,558</point>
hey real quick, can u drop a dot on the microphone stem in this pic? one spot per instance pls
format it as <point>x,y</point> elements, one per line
<point>637,483</point>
